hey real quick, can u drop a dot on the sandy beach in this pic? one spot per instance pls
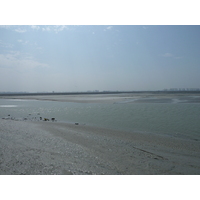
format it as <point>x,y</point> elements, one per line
<point>59,148</point>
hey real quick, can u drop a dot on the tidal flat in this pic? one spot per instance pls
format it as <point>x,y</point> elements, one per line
<point>59,148</point>
<point>34,146</point>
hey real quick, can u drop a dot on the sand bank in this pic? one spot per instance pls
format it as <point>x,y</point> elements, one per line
<point>58,148</point>
<point>144,97</point>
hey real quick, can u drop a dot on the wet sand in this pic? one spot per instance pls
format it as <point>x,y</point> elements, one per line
<point>59,148</point>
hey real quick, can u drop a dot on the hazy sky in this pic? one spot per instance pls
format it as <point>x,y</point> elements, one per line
<point>82,58</point>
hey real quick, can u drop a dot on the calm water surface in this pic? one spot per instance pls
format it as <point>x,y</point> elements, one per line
<point>162,118</point>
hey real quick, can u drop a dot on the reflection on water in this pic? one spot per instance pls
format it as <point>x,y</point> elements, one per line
<point>8,106</point>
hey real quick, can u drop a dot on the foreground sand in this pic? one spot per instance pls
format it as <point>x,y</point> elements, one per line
<point>58,148</point>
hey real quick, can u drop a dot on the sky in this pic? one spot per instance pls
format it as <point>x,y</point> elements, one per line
<point>47,58</point>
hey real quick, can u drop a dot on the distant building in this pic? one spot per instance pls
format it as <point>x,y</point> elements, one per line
<point>182,89</point>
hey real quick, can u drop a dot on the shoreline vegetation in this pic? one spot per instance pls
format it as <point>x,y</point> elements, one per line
<point>50,147</point>
<point>101,92</point>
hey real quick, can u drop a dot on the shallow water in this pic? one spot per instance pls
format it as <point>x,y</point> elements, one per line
<point>175,119</point>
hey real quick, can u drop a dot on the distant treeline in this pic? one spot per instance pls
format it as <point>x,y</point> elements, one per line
<point>88,93</point>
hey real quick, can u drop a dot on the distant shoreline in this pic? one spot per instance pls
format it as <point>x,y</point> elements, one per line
<point>112,97</point>
<point>95,93</point>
